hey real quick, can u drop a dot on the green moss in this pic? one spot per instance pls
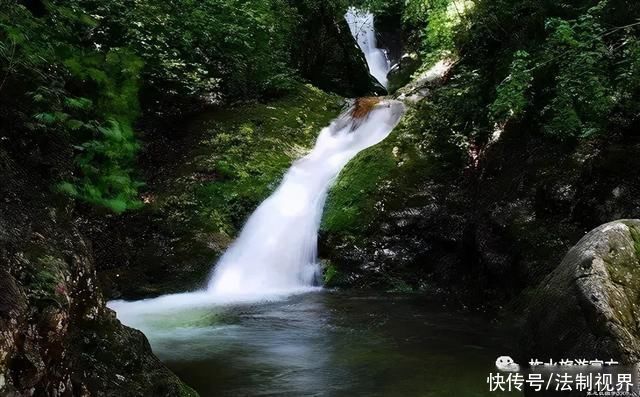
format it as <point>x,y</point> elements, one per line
<point>243,154</point>
<point>46,281</point>
<point>330,272</point>
<point>635,235</point>
<point>622,265</point>
<point>354,192</point>
<point>360,191</point>
<point>186,391</point>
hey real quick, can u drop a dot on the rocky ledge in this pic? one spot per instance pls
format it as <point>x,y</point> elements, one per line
<point>57,338</point>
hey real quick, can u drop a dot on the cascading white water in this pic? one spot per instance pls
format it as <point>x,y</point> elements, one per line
<point>363,30</point>
<point>275,254</point>
<point>277,248</point>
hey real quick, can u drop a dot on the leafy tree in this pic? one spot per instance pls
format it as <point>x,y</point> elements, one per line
<point>77,75</point>
<point>512,99</point>
<point>564,67</point>
<point>583,96</point>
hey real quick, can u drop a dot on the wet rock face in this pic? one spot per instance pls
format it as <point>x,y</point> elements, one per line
<point>401,72</point>
<point>391,37</point>
<point>589,305</point>
<point>57,338</point>
<point>328,56</point>
<point>486,230</point>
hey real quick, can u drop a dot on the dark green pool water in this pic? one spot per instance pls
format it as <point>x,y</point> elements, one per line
<point>329,344</point>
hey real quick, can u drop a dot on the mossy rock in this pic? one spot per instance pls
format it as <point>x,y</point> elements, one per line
<point>590,305</point>
<point>233,160</point>
<point>46,281</point>
<point>360,192</point>
<point>247,150</point>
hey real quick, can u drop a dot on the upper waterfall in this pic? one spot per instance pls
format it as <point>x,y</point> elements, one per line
<point>361,24</point>
<point>277,248</point>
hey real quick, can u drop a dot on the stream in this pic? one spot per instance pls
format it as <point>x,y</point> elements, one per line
<point>324,343</point>
<point>263,326</point>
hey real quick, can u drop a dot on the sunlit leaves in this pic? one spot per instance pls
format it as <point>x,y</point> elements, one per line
<point>78,103</point>
<point>74,94</point>
<point>208,49</point>
<point>569,70</point>
<point>511,93</point>
<point>583,88</point>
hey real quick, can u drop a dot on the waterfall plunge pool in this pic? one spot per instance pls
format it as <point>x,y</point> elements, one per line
<point>325,343</point>
<point>263,328</point>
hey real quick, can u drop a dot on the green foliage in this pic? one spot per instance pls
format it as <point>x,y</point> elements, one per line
<point>330,272</point>
<point>382,7</point>
<point>107,157</point>
<point>583,89</point>
<point>75,94</point>
<point>103,161</point>
<point>560,71</point>
<point>453,120</point>
<point>511,99</point>
<point>553,64</point>
<point>635,235</point>
<point>75,75</point>
<point>438,22</point>
<point>211,49</point>
<point>247,150</point>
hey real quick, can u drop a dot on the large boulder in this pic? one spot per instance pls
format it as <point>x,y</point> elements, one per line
<point>57,338</point>
<point>588,307</point>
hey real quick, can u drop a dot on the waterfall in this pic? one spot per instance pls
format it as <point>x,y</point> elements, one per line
<point>275,254</point>
<point>277,248</point>
<point>361,24</point>
<point>276,251</point>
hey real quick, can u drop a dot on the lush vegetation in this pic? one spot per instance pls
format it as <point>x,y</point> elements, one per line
<point>244,154</point>
<point>232,160</point>
<point>57,90</point>
<point>79,78</point>
<point>566,67</point>
<point>564,71</point>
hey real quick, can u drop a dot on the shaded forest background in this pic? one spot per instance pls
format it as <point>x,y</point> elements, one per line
<point>136,137</point>
<point>99,99</point>
<point>88,78</point>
